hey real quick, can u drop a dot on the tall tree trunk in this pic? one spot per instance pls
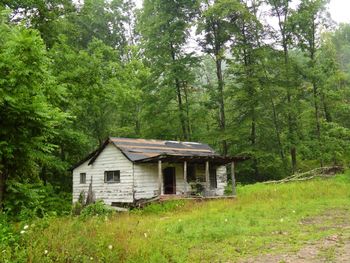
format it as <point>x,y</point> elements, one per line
<point>253,142</point>
<point>315,91</point>
<point>273,106</point>
<point>317,118</point>
<point>179,98</point>
<point>290,116</point>
<point>189,130</point>
<point>326,110</point>
<point>221,101</point>
<point>278,134</point>
<point>181,110</point>
<point>282,21</point>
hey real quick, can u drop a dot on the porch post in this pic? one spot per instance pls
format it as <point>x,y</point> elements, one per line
<point>207,180</point>
<point>185,177</point>
<point>233,178</point>
<point>160,177</point>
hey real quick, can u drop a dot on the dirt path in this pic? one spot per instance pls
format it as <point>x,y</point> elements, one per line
<point>333,248</point>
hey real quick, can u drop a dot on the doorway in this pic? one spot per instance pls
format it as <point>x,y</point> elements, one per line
<point>169,181</point>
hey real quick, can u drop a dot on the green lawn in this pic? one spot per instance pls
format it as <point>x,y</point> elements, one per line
<point>262,219</point>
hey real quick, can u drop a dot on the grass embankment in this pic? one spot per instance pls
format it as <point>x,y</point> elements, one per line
<point>263,219</point>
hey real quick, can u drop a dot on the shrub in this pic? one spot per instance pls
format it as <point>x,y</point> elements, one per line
<point>96,209</point>
<point>7,234</point>
<point>26,201</point>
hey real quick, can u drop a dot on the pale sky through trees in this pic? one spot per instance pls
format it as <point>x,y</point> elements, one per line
<point>339,10</point>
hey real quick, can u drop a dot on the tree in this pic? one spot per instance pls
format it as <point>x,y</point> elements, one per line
<point>42,15</point>
<point>217,24</point>
<point>28,119</point>
<point>282,11</point>
<point>307,21</point>
<point>164,28</point>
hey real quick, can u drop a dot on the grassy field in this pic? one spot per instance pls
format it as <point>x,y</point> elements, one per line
<point>263,219</point>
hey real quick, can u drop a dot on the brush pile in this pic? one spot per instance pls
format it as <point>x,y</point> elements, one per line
<point>318,172</point>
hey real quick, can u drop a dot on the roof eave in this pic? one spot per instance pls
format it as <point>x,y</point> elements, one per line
<point>179,158</point>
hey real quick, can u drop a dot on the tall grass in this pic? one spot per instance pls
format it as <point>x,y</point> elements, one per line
<point>262,219</point>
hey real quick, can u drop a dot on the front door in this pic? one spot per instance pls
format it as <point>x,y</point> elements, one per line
<point>169,180</point>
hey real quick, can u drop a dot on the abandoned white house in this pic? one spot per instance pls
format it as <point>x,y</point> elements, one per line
<point>125,170</point>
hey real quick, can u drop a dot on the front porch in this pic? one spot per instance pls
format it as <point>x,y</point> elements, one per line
<point>204,184</point>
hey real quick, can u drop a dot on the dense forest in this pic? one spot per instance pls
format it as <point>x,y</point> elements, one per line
<point>264,78</point>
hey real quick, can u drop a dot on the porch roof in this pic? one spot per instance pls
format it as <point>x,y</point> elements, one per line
<point>216,159</point>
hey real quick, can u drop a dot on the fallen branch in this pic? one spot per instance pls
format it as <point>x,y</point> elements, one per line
<point>318,172</point>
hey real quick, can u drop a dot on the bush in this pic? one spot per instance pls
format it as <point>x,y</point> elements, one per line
<point>26,201</point>
<point>96,209</point>
<point>8,237</point>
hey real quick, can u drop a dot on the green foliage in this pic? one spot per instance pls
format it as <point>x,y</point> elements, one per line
<point>25,201</point>
<point>8,237</point>
<point>96,209</point>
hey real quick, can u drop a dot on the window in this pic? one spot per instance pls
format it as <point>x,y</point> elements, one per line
<point>212,177</point>
<point>191,173</point>
<point>83,178</point>
<point>112,176</point>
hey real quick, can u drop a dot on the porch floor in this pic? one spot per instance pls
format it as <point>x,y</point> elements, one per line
<point>193,197</point>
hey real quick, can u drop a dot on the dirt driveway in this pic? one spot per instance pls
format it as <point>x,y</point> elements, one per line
<point>333,248</point>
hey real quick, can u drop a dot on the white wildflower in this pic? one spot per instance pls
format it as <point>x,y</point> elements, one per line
<point>281,220</point>
<point>145,234</point>
<point>110,247</point>
<point>180,220</point>
<point>294,211</point>
<point>226,220</point>
<point>25,227</point>
<point>45,252</point>
<point>22,232</point>
<point>91,258</point>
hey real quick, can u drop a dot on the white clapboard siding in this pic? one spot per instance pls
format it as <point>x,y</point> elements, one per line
<point>221,177</point>
<point>110,159</point>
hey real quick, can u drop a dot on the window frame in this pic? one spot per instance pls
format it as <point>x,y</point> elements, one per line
<point>116,174</point>
<point>81,177</point>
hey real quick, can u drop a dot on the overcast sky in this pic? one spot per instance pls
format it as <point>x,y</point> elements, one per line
<point>339,9</point>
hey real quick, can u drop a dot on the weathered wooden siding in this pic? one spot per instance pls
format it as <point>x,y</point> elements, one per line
<point>110,159</point>
<point>221,177</point>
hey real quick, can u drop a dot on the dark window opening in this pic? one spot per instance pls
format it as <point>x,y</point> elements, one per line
<point>212,177</point>
<point>191,173</point>
<point>112,176</point>
<point>83,178</point>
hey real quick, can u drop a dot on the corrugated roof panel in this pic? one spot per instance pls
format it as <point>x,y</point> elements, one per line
<point>138,149</point>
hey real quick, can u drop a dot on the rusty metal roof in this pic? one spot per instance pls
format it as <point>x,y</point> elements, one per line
<point>139,149</point>
<point>143,150</point>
